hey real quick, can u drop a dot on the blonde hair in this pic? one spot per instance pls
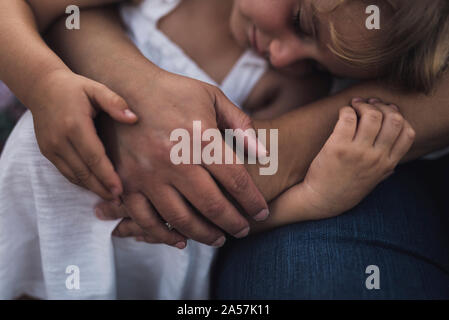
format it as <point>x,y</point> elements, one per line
<point>413,48</point>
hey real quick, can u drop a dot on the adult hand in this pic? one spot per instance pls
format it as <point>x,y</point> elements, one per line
<point>154,186</point>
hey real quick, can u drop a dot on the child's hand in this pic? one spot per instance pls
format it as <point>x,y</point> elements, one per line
<point>64,105</point>
<point>360,153</point>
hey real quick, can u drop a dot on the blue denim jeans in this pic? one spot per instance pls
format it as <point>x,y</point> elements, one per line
<point>402,228</point>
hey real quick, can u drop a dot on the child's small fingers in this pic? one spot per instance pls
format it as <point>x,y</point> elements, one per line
<point>65,170</point>
<point>403,143</point>
<point>91,150</point>
<point>111,103</point>
<point>391,127</point>
<point>369,124</point>
<point>82,173</point>
<point>346,126</point>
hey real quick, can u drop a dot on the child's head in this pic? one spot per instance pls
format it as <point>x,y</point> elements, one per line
<point>411,48</point>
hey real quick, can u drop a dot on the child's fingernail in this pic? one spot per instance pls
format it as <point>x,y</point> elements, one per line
<point>262,215</point>
<point>356,100</point>
<point>129,114</point>
<point>395,107</point>
<point>374,100</point>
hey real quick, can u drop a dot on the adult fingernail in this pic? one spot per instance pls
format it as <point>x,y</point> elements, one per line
<point>219,243</point>
<point>129,114</point>
<point>262,215</point>
<point>115,192</point>
<point>243,233</point>
<point>180,245</point>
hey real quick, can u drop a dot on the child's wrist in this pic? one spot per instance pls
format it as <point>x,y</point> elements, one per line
<point>43,84</point>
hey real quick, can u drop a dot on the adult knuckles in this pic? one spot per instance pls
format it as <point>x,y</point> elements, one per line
<point>213,207</point>
<point>181,220</point>
<point>148,224</point>
<point>239,182</point>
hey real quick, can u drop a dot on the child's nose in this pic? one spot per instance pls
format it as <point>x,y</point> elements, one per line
<point>285,52</point>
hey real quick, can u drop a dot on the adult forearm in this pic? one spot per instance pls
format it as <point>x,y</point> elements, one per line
<point>303,131</point>
<point>102,51</point>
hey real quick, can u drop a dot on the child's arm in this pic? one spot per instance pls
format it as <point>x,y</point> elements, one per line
<point>359,154</point>
<point>47,11</point>
<point>61,101</point>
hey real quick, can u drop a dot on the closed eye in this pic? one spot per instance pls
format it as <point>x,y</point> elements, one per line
<point>297,26</point>
<point>297,22</point>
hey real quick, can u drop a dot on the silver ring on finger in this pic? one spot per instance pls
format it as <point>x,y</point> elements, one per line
<point>169,226</point>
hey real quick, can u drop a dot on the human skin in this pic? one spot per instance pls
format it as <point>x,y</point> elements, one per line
<point>307,127</point>
<point>30,69</point>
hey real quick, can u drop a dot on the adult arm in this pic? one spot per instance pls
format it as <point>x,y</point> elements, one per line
<point>102,51</point>
<point>303,132</point>
<point>164,102</point>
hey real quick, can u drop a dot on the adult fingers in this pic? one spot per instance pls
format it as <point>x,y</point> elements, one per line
<point>128,228</point>
<point>144,215</point>
<point>173,208</point>
<point>108,211</point>
<point>208,199</point>
<point>235,179</point>
<point>231,117</point>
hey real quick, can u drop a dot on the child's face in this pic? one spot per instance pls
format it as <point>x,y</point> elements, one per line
<point>268,26</point>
